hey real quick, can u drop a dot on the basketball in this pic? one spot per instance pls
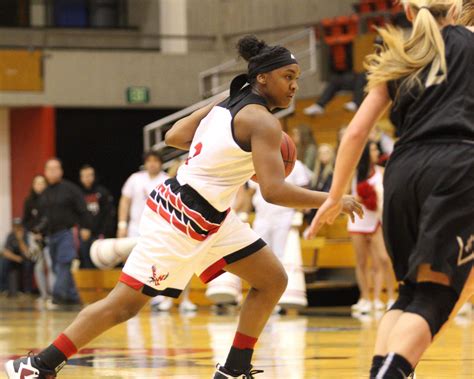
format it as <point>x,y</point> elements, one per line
<point>288,153</point>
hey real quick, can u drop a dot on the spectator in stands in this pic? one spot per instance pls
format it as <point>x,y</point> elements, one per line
<point>366,234</point>
<point>384,142</point>
<point>134,194</point>
<point>17,266</point>
<point>306,146</point>
<point>43,268</point>
<point>62,206</point>
<point>100,205</point>
<point>321,178</point>
<point>347,81</point>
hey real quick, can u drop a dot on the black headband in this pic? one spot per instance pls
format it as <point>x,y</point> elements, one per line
<point>281,60</point>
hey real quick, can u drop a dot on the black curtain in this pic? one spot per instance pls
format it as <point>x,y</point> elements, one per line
<point>110,140</point>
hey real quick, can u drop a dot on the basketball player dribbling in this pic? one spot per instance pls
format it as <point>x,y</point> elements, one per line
<point>188,227</point>
<point>429,179</point>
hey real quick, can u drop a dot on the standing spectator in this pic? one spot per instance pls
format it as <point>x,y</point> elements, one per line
<point>366,233</point>
<point>43,269</point>
<point>15,254</point>
<point>62,206</point>
<point>135,192</point>
<point>306,147</point>
<point>100,205</point>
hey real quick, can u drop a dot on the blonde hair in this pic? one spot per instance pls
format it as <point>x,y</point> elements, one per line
<point>467,16</point>
<point>328,168</point>
<point>406,59</point>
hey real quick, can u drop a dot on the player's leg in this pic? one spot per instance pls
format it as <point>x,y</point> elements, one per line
<point>384,274</point>
<point>268,280</point>
<point>120,305</point>
<point>362,250</point>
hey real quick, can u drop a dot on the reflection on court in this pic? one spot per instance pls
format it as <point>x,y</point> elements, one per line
<point>329,344</point>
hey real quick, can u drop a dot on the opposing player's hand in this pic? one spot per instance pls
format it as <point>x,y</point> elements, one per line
<point>330,209</point>
<point>122,232</point>
<point>326,214</point>
<point>352,207</point>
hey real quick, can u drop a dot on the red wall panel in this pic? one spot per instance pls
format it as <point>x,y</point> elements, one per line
<point>33,141</point>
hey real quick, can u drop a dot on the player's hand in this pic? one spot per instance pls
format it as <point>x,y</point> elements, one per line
<point>330,209</point>
<point>352,207</point>
<point>326,214</point>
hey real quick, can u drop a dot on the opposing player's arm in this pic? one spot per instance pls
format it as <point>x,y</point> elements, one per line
<point>265,140</point>
<point>355,138</point>
<point>182,132</point>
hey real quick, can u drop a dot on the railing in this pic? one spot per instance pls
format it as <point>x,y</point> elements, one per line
<point>154,133</point>
<point>302,45</point>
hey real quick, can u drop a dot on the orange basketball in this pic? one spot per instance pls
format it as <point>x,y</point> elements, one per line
<point>288,153</point>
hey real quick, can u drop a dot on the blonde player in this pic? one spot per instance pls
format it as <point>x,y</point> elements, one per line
<point>429,180</point>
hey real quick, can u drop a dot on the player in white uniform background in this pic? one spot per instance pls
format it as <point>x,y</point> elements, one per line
<point>135,192</point>
<point>188,228</point>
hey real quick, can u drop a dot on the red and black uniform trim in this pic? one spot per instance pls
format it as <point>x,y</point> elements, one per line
<point>147,290</point>
<point>217,268</point>
<point>185,209</point>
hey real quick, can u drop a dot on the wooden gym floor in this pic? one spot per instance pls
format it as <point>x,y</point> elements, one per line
<point>327,344</point>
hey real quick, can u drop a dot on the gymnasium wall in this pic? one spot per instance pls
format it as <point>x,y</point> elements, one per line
<point>32,142</point>
<point>5,175</point>
<point>99,78</point>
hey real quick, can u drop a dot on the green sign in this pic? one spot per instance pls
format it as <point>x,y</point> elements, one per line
<point>138,95</point>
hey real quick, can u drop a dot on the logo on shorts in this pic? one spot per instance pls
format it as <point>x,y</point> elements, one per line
<point>466,251</point>
<point>156,279</point>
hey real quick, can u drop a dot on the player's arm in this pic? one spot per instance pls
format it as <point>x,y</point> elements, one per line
<point>123,213</point>
<point>355,138</point>
<point>265,138</point>
<point>182,132</point>
<point>350,150</point>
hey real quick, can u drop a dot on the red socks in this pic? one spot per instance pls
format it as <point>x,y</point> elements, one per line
<point>65,346</point>
<point>241,341</point>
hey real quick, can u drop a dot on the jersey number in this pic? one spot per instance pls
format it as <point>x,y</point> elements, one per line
<point>197,151</point>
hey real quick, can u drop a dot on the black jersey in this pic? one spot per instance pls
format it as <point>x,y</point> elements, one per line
<point>444,111</point>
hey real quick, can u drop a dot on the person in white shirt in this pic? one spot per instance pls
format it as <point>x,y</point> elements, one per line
<point>135,192</point>
<point>132,203</point>
<point>273,222</point>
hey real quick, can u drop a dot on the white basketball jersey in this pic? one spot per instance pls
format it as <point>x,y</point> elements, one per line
<point>217,166</point>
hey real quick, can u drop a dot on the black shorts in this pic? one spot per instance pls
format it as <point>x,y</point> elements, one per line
<point>429,210</point>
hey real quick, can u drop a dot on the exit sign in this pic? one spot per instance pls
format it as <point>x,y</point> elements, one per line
<point>138,95</point>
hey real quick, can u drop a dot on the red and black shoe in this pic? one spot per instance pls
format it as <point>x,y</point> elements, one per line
<point>27,368</point>
<point>223,373</point>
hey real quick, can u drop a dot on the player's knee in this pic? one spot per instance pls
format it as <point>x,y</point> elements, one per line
<point>434,302</point>
<point>406,293</point>
<point>281,282</point>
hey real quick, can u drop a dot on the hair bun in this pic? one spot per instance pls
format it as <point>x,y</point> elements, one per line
<point>250,46</point>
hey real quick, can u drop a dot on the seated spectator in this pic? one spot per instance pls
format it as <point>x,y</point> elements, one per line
<point>100,205</point>
<point>384,142</point>
<point>347,81</point>
<point>321,179</point>
<point>306,147</point>
<point>18,267</point>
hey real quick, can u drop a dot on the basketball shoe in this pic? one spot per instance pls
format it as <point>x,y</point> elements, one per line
<point>28,368</point>
<point>223,373</point>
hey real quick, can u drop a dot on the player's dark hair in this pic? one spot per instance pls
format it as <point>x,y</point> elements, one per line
<point>86,166</point>
<point>363,168</point>
<point>257,52</point>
